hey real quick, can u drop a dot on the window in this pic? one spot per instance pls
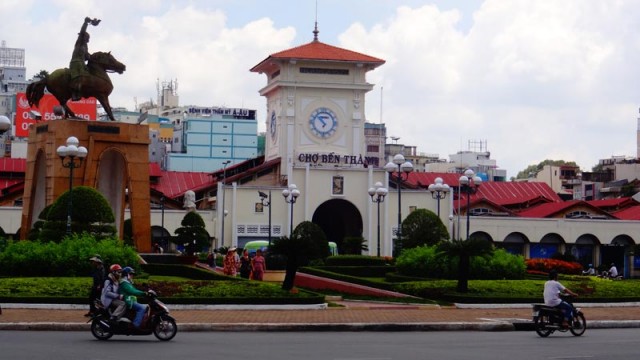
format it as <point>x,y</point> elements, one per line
<point>373,148</point>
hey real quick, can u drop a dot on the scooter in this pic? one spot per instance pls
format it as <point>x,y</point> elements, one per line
<point>157,321</point>
<point>548,319</point>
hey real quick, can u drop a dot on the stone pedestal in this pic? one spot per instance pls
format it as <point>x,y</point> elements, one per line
<point>117,165</point>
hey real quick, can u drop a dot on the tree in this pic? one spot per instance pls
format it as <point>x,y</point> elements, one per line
<point>90,213</point>
<point>422,227</point>
<point>42,74</point>
<point>308,242</point>
<point>354,245</point>
<point>192,234</point>
<point>532,170</point>
<point>464,250</point>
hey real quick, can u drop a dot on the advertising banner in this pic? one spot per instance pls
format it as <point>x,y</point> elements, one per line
<point>85,108</point>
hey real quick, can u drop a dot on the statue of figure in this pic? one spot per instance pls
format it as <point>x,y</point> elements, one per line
<point>189,201</point>
<point>80,55</point>
<point>80,80</point>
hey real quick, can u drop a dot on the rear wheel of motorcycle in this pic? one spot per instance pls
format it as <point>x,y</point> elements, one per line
<point>541,326</point>
<point>98,330</point>
<point>579,325</point>
<point>165,329</point>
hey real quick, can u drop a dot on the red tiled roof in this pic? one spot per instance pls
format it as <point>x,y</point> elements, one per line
<point>617,203</point>
<point>317,50</point>
<point>548,209</point>
<point>175,183</point>
<point>500,193</point>
<point>630,213</point>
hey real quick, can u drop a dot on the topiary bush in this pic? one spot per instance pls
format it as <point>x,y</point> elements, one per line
<point>422,227</point>
<point>90,213</point>
<point>192,234</point>
<point>424,261</point>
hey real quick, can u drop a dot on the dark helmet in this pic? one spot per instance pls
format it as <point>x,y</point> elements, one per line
<point>553,274</point>
<point>128,270</point>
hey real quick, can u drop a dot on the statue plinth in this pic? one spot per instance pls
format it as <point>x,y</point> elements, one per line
<point>117,165</point>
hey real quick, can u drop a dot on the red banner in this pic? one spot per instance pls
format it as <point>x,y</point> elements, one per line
<point>85,108</point>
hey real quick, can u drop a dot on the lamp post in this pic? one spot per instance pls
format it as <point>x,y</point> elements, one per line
<point>266,202</point>
<point>224,212</point>
<point>469,184</point>
<point>68,155</point>
<point>164,246</point>
<point>5,124</point>
<point>290,196</point>
<point>439,191</point>
<point>377,194</point>
<point>399,165</point>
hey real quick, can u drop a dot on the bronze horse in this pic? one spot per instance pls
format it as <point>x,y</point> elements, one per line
<point>95,84</point>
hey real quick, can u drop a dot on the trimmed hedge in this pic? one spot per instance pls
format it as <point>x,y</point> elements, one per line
<point>190,272</point>
<point>355,260</point>
<point>360,271</point>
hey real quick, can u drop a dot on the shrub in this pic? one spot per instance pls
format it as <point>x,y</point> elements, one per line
<point>429,262</point>
<point>70,257</point>
<point>424,261</point>
<point>546,265</point>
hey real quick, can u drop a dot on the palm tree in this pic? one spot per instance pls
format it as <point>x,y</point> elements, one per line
<point>464,250</point>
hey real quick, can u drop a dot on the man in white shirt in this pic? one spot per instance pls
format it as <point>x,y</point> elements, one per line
<point>613,271</point>
<point>552,291</point>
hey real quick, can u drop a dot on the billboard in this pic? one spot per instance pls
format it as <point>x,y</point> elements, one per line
<point>84,108</point>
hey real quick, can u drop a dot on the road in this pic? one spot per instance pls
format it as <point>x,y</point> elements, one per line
<point>611,344</point>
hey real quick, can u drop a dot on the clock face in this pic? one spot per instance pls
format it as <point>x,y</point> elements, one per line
<point>272,124</point>
<point>323,122</point>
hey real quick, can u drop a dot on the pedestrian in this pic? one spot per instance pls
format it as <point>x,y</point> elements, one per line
<point>229,263</point>
<point>99,275</point>
<point>258,266</point>
<point>245,265</point>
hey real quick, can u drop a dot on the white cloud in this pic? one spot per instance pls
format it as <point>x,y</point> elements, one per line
<point>536,79</point>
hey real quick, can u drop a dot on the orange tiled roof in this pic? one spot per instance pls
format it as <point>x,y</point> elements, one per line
<point>317,50</point>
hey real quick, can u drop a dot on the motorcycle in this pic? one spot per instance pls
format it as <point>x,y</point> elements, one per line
<point>548,319</point>
<point>157,321</point>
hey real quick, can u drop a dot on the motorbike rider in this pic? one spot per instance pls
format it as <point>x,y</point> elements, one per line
<point>110,296</point>
<point>129,292</point>
<point>552,291</point>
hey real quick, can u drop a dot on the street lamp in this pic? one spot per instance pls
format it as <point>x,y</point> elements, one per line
<point>290,196</point>
<point>438,191</point>
<point>224,212</point>
<point>399,165</point>
<point>377,194</point>
<point>469,184</point>
<point>68,155</point>
<point>5,124</point>
<point>266,202</point>
<point>162,240</point>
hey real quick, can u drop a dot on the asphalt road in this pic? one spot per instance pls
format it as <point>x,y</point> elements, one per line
<point>609,344</point>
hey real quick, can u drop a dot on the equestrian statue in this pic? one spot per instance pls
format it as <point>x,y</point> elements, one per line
<point>80,80</point>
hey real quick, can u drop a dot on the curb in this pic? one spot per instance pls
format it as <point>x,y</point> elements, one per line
<point>348,327</point>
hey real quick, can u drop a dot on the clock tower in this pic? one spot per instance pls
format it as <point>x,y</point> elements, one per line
<point>315,105</point>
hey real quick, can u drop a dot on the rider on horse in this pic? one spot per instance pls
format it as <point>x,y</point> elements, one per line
<point>77,66</point>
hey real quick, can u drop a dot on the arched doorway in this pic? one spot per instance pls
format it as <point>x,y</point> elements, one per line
<point>338,219</point>
<point>549,245</point>
<point>514,243</point>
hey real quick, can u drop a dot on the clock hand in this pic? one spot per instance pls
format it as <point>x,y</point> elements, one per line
<point>324,123</point>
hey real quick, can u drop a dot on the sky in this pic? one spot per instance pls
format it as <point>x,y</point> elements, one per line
<point>534,80</point>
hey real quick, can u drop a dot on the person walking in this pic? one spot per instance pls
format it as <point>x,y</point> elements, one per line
<point>229,263</point>
<point>245,265</point>
<point>99,275</point>
<point>258,266</point>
